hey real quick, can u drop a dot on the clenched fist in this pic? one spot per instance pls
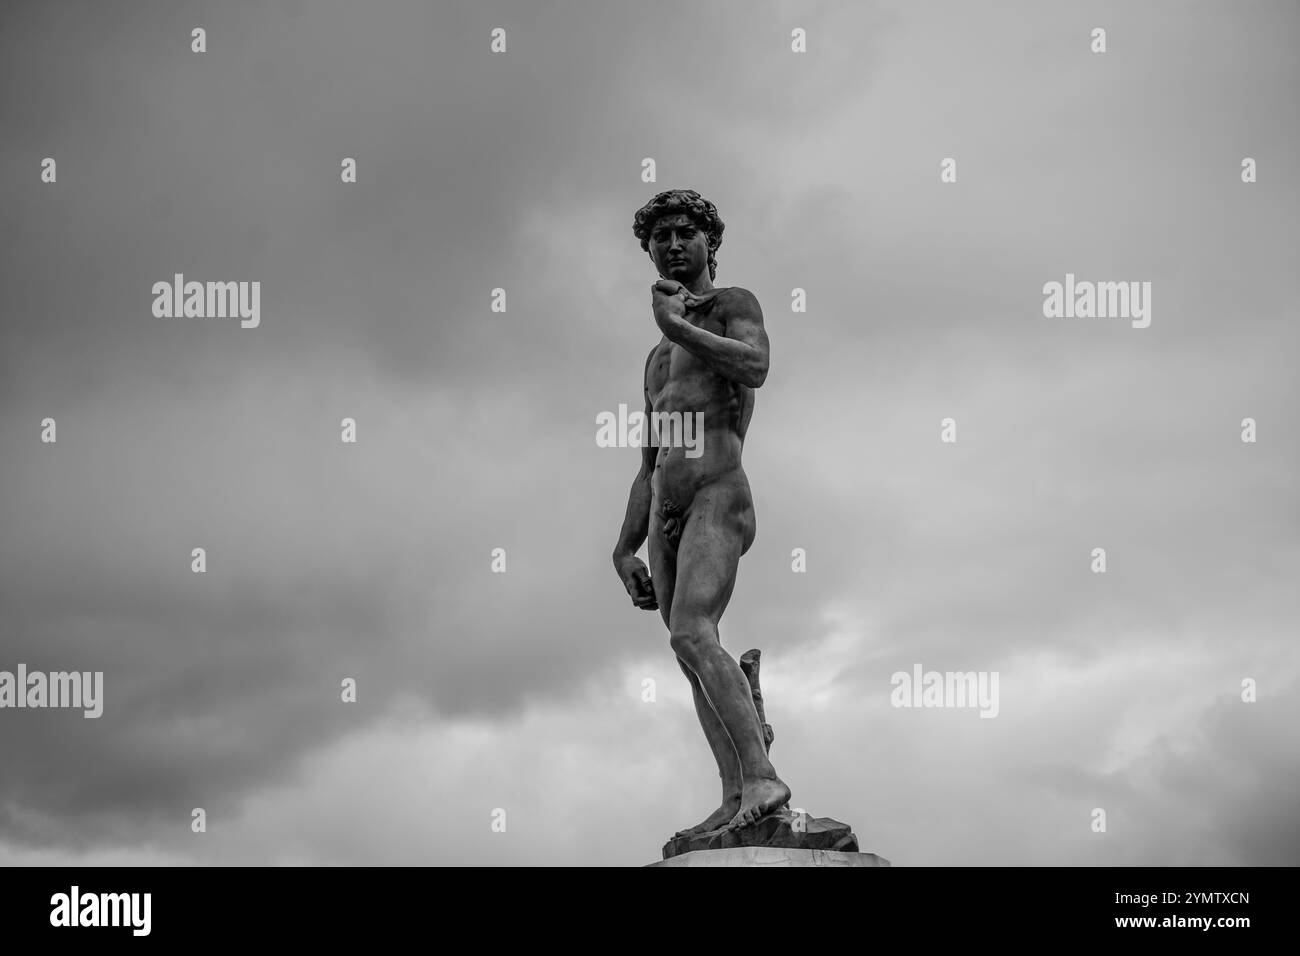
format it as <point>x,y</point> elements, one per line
<point>636,578</point>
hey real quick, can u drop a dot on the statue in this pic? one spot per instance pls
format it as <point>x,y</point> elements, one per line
<point>697,513</point>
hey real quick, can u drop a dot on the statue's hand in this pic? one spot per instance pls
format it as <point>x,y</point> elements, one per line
<point>636,578</point>
<point>668,299</point>
<point>671,291</point>
<point>668,287</point>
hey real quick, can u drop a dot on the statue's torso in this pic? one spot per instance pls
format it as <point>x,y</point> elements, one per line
<point>677,381</point>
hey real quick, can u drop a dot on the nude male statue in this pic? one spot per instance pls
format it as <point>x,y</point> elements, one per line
<point>697,513</point>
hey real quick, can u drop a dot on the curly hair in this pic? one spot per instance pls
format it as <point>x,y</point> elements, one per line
<point>672,201</point>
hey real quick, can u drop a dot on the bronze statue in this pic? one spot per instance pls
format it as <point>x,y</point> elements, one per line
<point>697,512</point>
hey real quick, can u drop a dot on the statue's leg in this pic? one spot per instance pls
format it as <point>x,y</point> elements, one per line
<point>723,753</point>
<point>718,531</point>
<point>663,571</point>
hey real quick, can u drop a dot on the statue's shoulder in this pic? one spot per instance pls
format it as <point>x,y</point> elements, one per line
<point>736,298</point>
<point>728,293</point>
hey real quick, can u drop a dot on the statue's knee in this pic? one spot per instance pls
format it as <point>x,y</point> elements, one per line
<point>688,642</point>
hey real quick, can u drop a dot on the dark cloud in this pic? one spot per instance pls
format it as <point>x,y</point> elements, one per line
<point>477,428</point>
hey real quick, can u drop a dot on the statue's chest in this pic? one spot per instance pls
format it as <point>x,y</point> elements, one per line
<point>659,370</point>
<point>672,362</point>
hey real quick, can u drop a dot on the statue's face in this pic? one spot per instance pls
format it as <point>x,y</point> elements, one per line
<point>679,248</point>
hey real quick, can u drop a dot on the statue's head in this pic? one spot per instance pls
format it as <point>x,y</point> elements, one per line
<point>681,231</point>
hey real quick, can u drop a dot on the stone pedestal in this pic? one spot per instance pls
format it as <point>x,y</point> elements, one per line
<point>772,856</point>
<point>783,838</point>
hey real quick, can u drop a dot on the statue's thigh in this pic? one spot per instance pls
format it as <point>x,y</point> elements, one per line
<point>709,554</point>
<point>663,568</point>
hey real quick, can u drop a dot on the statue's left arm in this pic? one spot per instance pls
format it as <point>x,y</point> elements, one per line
<point>740,355</point>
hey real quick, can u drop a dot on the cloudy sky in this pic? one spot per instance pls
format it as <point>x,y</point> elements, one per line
<point>476,430</point>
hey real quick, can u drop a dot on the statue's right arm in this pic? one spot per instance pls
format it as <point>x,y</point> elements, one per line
<point>636,522</point>
<point>636,525</point>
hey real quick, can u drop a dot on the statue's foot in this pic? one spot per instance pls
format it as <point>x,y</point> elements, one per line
<point>719,817</point>
<point>759,798</point>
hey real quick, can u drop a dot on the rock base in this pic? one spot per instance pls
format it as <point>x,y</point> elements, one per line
<point>782,830</point>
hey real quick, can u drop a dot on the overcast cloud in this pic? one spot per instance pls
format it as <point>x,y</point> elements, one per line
<point>476,429</point>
